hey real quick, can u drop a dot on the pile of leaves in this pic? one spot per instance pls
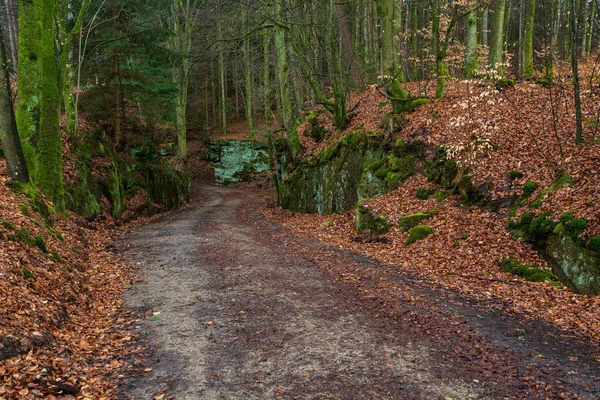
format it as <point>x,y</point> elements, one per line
<point>63,330</point>
<point>518,143</point>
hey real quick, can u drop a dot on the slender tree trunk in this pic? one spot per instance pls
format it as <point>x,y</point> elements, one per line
<point>471,53</point>
<point>223,85</point>
<point>267,78</point>
<point>497,39</point>
<point>485,28</point>
<point>529,25</point>
<point>248,76</point>
<point>521,39</point>
<point>507,15</point>
<point>282,69</point>
<point>15,161</point>
<point>440,67</point>
<point>50,171</point>
<point>117,134</point>
<point>554,26</point>
<point>575,70</point>
<point>589,29</point>
<point>351,59</point>
<point>414,20</point>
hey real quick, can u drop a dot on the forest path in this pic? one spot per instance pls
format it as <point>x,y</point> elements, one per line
<point>237,308</point>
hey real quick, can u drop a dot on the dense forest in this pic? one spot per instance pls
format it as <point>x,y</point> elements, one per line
<point>141,73</point>
<point>439,147</point>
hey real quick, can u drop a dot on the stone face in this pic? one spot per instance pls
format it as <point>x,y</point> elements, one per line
<point>327,187</point>
<point>580,266</point>
<point>235,160</point>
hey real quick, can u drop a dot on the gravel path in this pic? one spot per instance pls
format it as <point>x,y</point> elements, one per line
<point>235,308</point>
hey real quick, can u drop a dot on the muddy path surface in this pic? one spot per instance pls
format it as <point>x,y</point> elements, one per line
<point>234,307</point>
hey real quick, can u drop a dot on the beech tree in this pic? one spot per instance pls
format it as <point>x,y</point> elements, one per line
<point>15,161</point>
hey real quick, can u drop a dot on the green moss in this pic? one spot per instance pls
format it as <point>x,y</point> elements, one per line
<point>280,144</point>
<point>27,274</point>
<point>540,228</point>
<point>441,170</point>
<point>419,232</point>
<point>562,179</point>
<point>528,189</point>
<point>441,195</point>
<point>410,221</point>
<point>528,272</point>
<point>424,193</point>
<point>504,83</point>
<point>514,174</point>
<point>40,243</point>
<point>366,220</point>
<point>54,256</point>
<point>8,225</point>
<point>55,234</point>
<point>24,210</point>
<point>294,139</point>
<point>594,244</point>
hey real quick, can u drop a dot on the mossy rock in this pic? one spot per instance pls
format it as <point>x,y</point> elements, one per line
<point>410,221</point>
<point>366,220</point>
<point>82,197</point>
<point>419,232</point>
<point>167,186</point>
<point>528,272</point>
<point>442,170</point>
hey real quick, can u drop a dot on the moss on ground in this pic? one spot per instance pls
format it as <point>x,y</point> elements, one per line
<point>410,221</point>
<point>528,271</point>
<point>419,232</point>
<point>366,220</point>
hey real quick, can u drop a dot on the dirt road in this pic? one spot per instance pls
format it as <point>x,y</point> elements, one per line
<point>236,308</point>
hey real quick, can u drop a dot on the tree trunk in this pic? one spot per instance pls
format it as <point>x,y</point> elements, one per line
<point>117,100</point>
<point>351,61</point>
<point>528,45</point>
<point>554,26</point>
<point>497,37</point>
<point>485,28</point>
<point>575,70</point>
<point>13,31</point>
<point>248,76</point>
<point>50,171</point>
<point>223,85</point>
<point>471,53</point>
<point>282,69</point>
<point>267,78</point>
<point>28,88</point>
<point>15,161</point>
<point>589,29</point>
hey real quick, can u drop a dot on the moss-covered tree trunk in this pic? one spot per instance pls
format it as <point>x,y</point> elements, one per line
<point>496,61</point>
<point>392,74</point>
<point>49,174</point>
<point>471,53</point>
<point>28,105</point>
<point>283,83</point>
<point>267,77</point>
<point>528,45</point>
<point>15,161</point>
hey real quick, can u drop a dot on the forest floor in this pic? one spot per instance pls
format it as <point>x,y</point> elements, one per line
<point>237,307</point>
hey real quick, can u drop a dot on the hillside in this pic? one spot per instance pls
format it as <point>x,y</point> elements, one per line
<point>64,330</point>
<point>517,148</point>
